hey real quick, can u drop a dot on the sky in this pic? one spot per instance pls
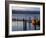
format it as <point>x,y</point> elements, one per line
<point>26,8</point>
<point>25,12</point>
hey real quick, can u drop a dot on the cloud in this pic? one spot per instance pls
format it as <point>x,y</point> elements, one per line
<point>26,8</point>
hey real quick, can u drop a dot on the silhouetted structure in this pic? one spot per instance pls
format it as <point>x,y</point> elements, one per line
<point>24,25</point>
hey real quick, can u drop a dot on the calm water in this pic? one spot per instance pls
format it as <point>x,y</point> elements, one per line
<point>18,26</point>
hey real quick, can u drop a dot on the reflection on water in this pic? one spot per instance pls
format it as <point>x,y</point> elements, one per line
<point>18,26</point>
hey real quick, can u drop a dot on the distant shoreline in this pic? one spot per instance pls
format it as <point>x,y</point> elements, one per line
<point>25,12</point>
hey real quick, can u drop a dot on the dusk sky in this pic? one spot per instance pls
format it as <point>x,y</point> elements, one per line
<point>26,8</point>
<point>25,12</point>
